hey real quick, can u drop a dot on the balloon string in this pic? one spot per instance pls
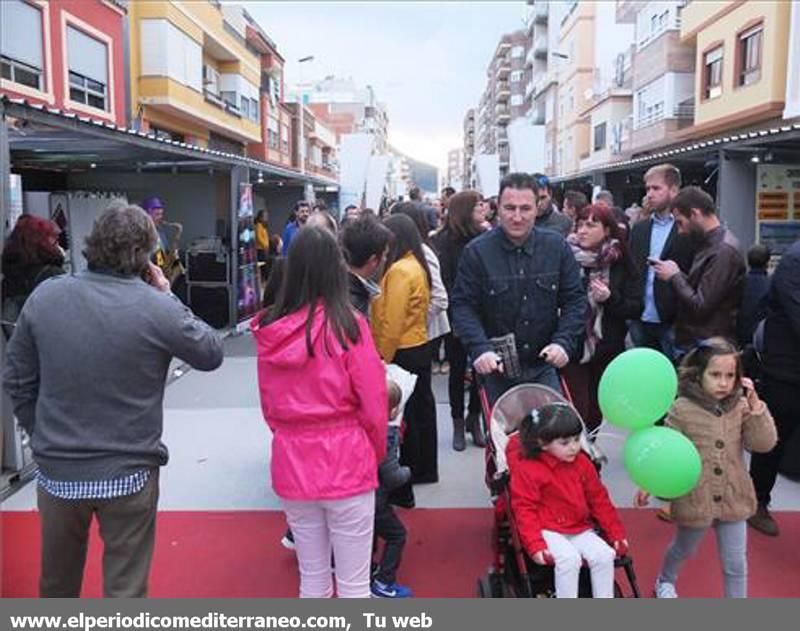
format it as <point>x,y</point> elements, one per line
<point>607,435</point>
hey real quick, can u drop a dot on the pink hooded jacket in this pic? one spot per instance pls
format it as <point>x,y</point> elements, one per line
<point>328,413</point>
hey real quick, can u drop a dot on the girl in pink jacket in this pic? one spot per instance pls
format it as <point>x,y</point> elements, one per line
<point>323,395</point>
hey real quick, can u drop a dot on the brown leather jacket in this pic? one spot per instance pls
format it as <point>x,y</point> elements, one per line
<point>710,294</point>
<point>725,490</point>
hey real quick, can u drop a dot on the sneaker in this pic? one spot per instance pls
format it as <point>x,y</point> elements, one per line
<point>665,590</point>
<point>763,522</point>
<point>394,590</point>
<point>287,541</point>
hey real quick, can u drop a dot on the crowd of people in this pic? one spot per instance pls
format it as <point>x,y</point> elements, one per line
<point>514,290</point>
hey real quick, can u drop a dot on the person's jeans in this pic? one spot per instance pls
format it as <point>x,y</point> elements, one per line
<point>542,373</point>
<point>457,356</point>
<point>732,548</point>
<point>658,336</point>
<point>346,526</point>
<point>391,530</point>
<point>569,551</point>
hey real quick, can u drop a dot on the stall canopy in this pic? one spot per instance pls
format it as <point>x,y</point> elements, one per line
<point>50,139</point>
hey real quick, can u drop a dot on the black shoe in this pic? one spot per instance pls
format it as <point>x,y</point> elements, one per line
<point>475,428</point>
<point>459,439</point>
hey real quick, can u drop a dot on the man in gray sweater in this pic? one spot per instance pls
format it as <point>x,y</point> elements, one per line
<point>86,369</point>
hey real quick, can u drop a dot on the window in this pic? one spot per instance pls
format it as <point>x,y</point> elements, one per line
<point>21,43</point>
<point>166,51</point>
<point>211,80</point>
<point>600,137</point>
<point>272,135</point>
<point>88,69</point>
<point>750,55</point>
<point>516,99</point>
<point>712,64</point>
<point>516,76</point>
<point>517,52</point>
<point>255,110</point>
<point>167,135</point>
<point>285,138</point>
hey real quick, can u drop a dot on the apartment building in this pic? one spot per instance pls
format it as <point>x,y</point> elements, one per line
<point>662,76</point>
<point>576,45</point>
<point>317,153</point>
<point>275,145</point>
<point>543,62</point>
<point>503,98</point>
<point>348,109</point>
<point>741,60</point>
<point>468,173</point>
<point>67,54</point>
<point>455,169</point>
<point>609,99</point>
<point>193,76</point>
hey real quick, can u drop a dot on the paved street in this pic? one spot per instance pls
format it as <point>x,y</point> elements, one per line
<point>219,449</point>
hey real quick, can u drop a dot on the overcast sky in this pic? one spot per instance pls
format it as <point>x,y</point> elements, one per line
<point>426,60</point>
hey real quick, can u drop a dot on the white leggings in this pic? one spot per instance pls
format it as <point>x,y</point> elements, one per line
<point>569,551</point>
<point>344,526</point>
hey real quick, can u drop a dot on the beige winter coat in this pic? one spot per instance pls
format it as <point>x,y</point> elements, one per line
<point>725,490</point>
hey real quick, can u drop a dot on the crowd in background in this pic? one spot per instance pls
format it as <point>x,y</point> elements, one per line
<point>573,285</point>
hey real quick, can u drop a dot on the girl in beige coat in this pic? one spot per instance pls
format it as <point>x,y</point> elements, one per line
<point>720,412</point>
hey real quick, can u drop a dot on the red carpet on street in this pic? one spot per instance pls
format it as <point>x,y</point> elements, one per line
<point>237,554</point>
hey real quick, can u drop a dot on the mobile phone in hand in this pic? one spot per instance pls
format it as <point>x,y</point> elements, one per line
<point>652,261</point>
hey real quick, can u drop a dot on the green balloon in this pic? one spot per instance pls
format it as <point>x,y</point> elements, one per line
<point>662,461</point>
<point>637,388</point>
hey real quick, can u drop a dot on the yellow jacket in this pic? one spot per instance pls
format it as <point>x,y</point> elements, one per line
<point>262,237</point>
<point>399,316</point>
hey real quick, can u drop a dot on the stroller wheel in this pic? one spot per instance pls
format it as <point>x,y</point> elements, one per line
<point>490,586</point>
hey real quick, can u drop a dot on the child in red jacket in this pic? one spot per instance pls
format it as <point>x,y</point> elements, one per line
<point>558,499</point>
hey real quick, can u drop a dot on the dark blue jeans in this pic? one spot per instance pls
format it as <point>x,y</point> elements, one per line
<point>655,335</point>
<point>540,372</point>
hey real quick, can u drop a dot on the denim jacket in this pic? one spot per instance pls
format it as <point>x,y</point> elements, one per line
<point>533,290</point>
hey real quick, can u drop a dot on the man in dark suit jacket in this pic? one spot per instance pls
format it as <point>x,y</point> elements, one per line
<point>657,238</point>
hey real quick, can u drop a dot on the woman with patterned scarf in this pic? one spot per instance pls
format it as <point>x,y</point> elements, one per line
<point>613,289</point>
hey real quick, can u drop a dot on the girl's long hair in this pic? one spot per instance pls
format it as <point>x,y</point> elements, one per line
<point>417,215</point>
<point>460,210</point>
<point>316,275</point>
<point>406,239</point>
<point>546,424</point>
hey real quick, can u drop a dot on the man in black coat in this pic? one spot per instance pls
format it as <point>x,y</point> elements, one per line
<point>657,238</point>
<point>780,380</point>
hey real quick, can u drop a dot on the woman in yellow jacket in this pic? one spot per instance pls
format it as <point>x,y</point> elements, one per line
<point>399,320</point>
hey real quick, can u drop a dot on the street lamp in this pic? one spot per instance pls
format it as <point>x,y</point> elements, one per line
<point>301,133</point>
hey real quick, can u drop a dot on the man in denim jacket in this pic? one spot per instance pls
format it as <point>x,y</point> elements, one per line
<point>522,280</point>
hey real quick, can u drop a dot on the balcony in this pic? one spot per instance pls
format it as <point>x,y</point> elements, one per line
<point>528,89</point>
<point>502,114</point>
<point>541,13</point>
<point>503,70</point>
<point>502,91</point>
<point>540,47</point>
